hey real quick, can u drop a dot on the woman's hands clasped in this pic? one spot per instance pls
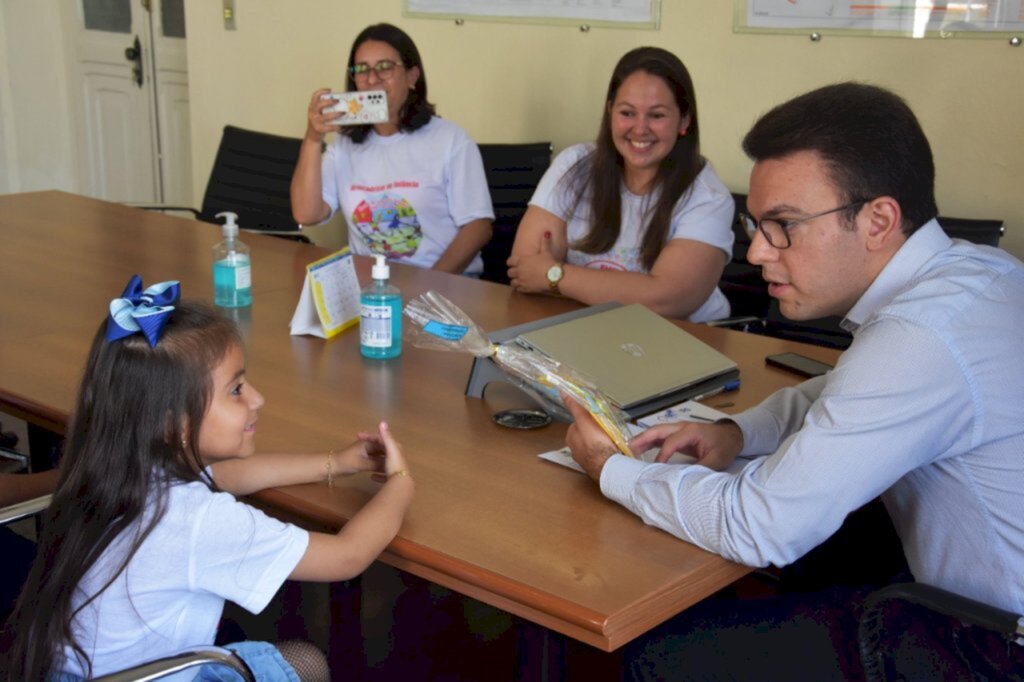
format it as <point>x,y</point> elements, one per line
<point>528,272</point>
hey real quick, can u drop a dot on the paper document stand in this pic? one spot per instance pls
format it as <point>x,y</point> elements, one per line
<point>485,370</point>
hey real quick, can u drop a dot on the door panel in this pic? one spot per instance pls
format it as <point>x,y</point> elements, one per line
<point>170,77</point>
<point>124,127</point>
<point>117,137</point>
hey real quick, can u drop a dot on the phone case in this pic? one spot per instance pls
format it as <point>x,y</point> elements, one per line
<point>358,108</point>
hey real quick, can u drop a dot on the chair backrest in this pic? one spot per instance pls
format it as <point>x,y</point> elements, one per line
<point>741,280</point>
<point>251,176</point>
<point>513,172</point>
<point>979,231</point>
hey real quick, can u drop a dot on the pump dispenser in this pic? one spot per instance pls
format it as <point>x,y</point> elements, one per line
<point>380,315</point>
<point>232,274</point>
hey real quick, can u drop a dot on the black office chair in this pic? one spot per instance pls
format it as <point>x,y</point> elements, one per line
<point>979,231</point>
<point>741,281</point>
<point>888,642</point>
<point>12,461</point>
<point>251,176</point>
<point>513,172</point>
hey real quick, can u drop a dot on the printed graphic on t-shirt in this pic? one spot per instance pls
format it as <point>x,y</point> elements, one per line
<point>389,224</point>
<point>618,258</point>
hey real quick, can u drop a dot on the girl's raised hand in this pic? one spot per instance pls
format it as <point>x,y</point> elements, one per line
<point>394,460</point>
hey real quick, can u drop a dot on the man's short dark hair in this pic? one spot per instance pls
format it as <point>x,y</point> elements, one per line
<point>869,138</point>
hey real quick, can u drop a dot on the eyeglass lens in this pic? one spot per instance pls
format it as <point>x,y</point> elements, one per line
<point>384,69</point>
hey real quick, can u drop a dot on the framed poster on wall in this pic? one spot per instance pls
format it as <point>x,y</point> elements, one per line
<point>916,19</point>
<point>611,13</point>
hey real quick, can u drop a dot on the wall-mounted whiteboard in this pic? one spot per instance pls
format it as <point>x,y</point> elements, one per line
<point>618,13</point>
<point>910,18</point>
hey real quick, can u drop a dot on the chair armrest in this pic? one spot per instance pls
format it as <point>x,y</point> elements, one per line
<point>21,510</point>
<point>741,322</point>
<point>949,604</point>
<point>871,630</point>
<point>294,235</point>
<point>165,207</point>
<point>191,658</point>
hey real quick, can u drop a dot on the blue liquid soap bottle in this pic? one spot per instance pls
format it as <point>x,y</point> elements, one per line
<point>380,315</point>
<point>232,273</point>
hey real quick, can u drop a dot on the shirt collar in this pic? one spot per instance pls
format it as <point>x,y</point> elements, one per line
<point>927,241</point>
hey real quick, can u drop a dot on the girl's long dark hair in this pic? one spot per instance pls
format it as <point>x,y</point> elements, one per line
<point>416,112</point>
<point>133,434</point>
<point>601,174</point>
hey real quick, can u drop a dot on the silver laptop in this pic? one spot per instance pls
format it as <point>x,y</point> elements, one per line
<point>633,354</point>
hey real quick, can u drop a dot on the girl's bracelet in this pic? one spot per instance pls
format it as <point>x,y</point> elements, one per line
<point>400,472</point>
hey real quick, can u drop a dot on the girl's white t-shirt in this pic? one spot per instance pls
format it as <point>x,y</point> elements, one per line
<point>208,548</point>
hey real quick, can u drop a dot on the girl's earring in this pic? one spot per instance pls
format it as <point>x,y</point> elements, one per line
<point>184,443</point>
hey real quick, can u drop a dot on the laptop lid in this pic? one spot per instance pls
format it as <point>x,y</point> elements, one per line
<point>631,353</point>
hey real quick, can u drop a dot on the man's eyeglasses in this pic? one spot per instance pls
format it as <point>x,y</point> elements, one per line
<point>384,69</point>
<point>776,231</point>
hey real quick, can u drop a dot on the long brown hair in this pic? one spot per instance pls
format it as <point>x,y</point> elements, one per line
<point>600,172</point>
<point>132,435</point>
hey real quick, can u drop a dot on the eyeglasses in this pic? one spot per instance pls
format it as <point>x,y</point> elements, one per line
<point>776,231</point>
<point>384,69</point>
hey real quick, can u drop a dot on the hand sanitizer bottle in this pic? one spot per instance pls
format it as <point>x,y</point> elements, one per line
<point>380,315</point>
<point>232,274</point>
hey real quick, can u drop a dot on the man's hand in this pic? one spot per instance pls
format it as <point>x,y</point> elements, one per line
<point>590,445</point>
<point>714,445</point>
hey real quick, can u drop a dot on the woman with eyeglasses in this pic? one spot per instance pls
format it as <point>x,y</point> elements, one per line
<point>412,188</point>
<point>639,216</point>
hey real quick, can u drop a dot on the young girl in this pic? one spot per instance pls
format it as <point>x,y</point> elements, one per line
<point>144,540</point>
<point>639,216</point>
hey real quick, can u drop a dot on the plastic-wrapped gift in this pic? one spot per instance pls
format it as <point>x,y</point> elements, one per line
<point>439,324</point>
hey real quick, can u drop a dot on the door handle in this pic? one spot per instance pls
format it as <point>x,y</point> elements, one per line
<point>134,55</point>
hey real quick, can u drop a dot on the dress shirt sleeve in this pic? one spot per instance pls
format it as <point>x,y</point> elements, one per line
<point>897,399</point>
<point>781,414</point>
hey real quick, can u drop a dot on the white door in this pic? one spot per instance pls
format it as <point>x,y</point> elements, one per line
<point>130,89</point>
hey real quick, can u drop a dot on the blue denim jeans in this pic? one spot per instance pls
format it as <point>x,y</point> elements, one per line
<point>263,659</point>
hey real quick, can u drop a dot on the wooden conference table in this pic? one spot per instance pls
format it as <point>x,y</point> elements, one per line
<point>490,519</point>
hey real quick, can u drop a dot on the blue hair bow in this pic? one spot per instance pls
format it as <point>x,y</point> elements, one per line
<point>142,311</point>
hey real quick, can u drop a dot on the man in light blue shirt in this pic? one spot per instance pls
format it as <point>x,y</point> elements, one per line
<point>923,409</point>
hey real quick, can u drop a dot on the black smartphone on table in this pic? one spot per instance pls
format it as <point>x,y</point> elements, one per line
<point>800,364</point>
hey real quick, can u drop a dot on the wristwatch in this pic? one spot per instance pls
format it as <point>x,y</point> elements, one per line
<point>555,274</point>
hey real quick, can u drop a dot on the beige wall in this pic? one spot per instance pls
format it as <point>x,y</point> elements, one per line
<point>37,149</point>
<point>508,82</point>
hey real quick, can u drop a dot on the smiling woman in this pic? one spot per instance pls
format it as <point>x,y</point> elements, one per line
<point>412,188</point>
<point>639,216</point>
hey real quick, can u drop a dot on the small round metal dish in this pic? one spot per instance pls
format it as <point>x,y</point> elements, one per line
<point>522,419</point>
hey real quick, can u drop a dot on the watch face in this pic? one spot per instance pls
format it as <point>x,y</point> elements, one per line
<point>554,273</point>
